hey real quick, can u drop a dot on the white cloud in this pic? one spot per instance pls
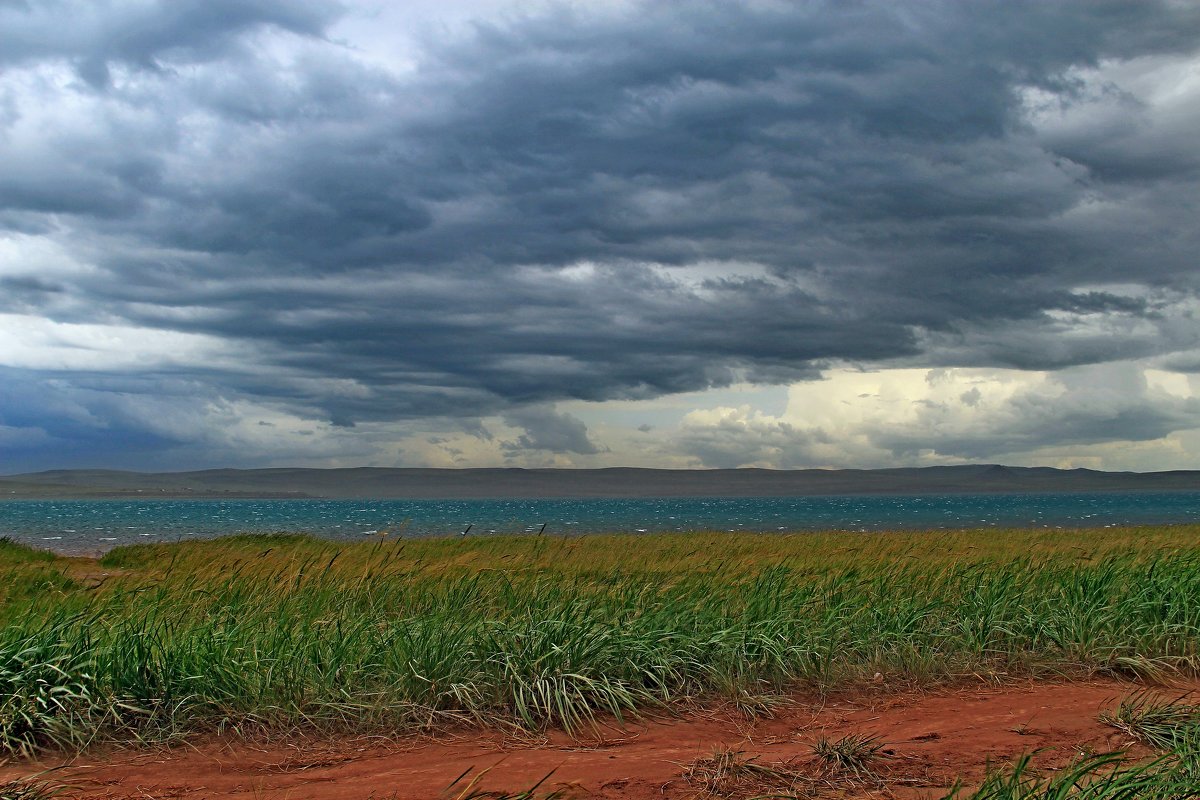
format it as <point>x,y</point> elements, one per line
<point>1123,415</point>
<point>32,342</point>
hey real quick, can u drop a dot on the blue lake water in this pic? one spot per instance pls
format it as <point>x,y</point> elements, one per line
<point>89,526</point>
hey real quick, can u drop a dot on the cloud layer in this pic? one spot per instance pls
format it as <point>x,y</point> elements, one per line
<point>239,212</point>
<point>1111,415</point>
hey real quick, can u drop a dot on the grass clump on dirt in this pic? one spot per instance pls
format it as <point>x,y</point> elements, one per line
<point>853,755</point>
<point>731,773</point>
<point>289,632</point>
<point>1109,776</point>
<point>1102,777</point>
<point>1146,717</point>
<point>836,765</point>
<point>28,790</point>
<point>1170,727</point>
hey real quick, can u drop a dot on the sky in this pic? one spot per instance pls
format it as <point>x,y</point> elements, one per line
<point>258,233</point>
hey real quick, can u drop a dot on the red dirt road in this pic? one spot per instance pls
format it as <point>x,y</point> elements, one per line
<point>933,738</point>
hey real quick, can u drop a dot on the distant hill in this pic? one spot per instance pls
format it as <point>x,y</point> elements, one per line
<point>615,482</point>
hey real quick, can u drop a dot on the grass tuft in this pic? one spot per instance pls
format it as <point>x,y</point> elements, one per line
<point>730,773</point>
<point>1170,726</point>
<point>1148,718</point>
<point>853,755</point>
<point>28,790</point>
<point>1106,776</point>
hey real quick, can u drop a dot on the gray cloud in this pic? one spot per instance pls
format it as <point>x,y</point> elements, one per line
<point>151,35</point>
<point>743,438</point>
<point>571,205</point>
<point>546,429</point>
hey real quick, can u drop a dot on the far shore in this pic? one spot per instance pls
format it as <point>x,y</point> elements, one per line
<point>513,483</point>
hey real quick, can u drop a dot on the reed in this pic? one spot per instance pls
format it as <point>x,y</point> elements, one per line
<point>288,632</point>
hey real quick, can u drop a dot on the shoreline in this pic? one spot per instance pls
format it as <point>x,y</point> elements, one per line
<point>1086,533</point>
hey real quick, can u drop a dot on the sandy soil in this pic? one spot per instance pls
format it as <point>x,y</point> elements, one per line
<point>932,738</point>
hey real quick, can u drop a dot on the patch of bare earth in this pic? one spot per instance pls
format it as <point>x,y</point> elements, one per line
<point>921,742</point>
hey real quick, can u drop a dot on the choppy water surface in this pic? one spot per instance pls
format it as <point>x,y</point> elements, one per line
<point>88,526</point>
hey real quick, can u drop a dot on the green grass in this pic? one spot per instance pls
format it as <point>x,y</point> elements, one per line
<point>1170,727</point>
<point>1159,723</point>
<point>287,632</point>
<point>26,790</point>
<point>27,573</point>
<point>14,552</point>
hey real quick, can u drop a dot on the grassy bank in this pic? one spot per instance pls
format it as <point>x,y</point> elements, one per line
<point>284,632</point>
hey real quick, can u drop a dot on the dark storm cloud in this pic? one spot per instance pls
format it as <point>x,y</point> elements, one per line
<point>598,206</point>
<point>65,421</point>
<point>144,35</point>
<point>28,289</point>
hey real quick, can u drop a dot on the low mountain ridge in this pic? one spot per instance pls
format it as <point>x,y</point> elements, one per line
<point>500,482</point>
